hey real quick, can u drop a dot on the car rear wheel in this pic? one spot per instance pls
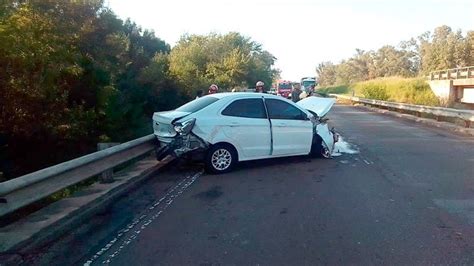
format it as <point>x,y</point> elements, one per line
<point>220,158</point>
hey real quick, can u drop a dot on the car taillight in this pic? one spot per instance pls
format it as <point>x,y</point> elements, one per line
<point>185,127</point>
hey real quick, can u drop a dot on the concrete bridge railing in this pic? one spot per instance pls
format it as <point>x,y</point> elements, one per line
<point>453,85</point>
<point>455,73</point>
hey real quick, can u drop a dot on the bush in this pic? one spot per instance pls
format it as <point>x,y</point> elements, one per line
<point>342,89</point>
<point>411,90</point>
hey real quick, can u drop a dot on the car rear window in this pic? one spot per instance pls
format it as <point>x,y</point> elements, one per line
<point>197,104</point>
<point>249,108</point>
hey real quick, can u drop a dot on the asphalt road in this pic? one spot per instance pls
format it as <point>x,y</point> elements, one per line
<point>406,198</point>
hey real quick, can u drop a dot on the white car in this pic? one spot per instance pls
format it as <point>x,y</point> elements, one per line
<point>233,127</point>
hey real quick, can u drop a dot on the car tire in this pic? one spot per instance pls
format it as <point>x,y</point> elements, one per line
<point>220,158</point>
<point>319,150</point>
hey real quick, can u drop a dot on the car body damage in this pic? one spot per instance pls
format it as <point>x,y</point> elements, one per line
<point>319,107</point>
<point>175,138</point>
<point>251,126</point>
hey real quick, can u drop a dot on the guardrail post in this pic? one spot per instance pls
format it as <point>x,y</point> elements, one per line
<point>107,175</point>
<point>467,123</point>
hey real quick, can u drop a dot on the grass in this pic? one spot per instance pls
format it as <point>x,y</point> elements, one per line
<point>342,89</point>
<point>394,89</point>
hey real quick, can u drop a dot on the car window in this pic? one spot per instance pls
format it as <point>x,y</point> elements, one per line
<point>251,108</point>
<point>197,104</point>
<point>278,109</point>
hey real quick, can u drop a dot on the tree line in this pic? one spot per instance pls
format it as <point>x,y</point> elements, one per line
<point>73,74</point>
<point>441,49</point>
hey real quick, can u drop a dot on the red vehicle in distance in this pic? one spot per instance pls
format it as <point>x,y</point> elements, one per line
<point>283,88</point>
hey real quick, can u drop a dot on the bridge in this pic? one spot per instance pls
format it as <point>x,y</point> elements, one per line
<point>406,197</point>
<point>455,85</point>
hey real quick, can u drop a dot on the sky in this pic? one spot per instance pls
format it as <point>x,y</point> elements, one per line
<point>300,33</point>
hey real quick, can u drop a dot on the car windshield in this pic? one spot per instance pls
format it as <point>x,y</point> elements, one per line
<point>197,104</point>
<point>308,83</point>
<point>284,86</point>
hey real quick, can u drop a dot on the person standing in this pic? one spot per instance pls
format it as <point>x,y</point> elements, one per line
<point>295,94</point>
<point>311,90</point>
<point>199,94</point>
<point>259,87</point>
<point>213,89</point>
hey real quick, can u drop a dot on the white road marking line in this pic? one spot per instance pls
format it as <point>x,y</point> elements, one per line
<point>367,161</point>
<point>169,196</point>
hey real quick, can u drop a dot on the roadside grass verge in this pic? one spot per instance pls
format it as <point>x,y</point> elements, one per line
<point>394,89</point>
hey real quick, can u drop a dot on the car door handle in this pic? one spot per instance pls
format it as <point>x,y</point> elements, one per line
<point>234,124</point>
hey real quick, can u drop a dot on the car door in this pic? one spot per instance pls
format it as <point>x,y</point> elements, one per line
<point>246,124</point>
<point>291,129</point>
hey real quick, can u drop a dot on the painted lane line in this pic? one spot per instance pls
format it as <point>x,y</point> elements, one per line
<point>167,199</point>
<point>133,224</point>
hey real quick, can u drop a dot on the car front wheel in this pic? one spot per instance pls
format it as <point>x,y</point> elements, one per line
<point>220,158</point>
<point>319,149</point>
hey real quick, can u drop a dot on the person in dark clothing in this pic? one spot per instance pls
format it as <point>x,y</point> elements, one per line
<point>295,94</point>
<point>199,94</point>
<point>259,87</point>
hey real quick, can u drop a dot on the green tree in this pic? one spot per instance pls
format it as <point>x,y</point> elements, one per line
<point>470,48</point>
<point>389,61</point>
<point>37,64</point>
<point>443,49</point>
<point>326,72</point>
<point>229,60</point>
<point>73,74</point>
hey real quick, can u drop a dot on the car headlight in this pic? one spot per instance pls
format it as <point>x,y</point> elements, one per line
<point>183,128</point>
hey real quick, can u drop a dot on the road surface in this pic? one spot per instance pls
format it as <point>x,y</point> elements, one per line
<point>407,197</point>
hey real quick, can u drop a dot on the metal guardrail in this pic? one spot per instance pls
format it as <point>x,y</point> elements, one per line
<point>24,190</point>
<point>454,73</point>
<point>466,115</point>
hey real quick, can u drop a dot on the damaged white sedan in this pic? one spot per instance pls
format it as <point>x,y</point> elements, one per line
<point>233,127</point>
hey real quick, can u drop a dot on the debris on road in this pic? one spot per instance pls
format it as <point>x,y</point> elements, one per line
<point>343,147</point>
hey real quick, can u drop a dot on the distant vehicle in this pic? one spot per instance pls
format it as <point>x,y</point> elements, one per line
<point>233,127</point>
<point>273,91</point>
<point>306,83</point>
<point>283,88</point>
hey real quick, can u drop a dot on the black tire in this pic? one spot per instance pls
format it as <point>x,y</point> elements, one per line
<point>318,150</point>
<point>220,158</point>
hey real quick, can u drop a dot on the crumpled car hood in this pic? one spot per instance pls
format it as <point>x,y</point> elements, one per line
<point>319,105</point>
